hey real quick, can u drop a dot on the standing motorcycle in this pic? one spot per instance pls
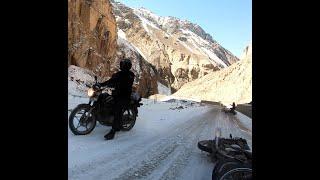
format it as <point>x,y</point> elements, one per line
<point>231,155</point>
<point>83,118</point>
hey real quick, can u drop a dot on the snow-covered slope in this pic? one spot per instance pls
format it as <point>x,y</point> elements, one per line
<point>193,37</point>
<point>180,51</point>
<point>232,84</point>
<point>77,78</point>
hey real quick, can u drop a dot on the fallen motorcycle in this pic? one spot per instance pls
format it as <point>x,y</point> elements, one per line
<point>231,156</point>
<point>228,110</point>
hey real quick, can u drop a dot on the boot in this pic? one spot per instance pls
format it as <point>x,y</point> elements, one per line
<point>110,134</point>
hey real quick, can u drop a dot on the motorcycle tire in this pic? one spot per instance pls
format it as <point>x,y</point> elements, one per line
<point>133,121</point>
<point>73,129</point>
<point>226,168</point>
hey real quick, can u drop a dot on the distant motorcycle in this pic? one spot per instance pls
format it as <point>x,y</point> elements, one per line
<point>226,110</point>
<point>229,110</point>
<point>231,155</point>
<point>83,118</point>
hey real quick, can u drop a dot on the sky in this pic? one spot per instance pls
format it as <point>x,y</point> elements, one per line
<point>228,21</point>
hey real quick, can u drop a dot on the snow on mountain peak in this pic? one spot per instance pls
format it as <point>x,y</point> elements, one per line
<point>147,11</point>
<point>179,50</point>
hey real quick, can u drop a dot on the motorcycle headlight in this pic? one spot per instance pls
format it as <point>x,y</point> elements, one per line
<point>90,92</point>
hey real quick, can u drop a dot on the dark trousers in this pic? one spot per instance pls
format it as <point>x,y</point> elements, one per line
<point>119,106</point>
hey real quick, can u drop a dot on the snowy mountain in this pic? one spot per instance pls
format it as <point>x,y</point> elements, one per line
<point>179,50</point>
<point>166,52</point>
<point>232,84</point>
<point>94,47</point>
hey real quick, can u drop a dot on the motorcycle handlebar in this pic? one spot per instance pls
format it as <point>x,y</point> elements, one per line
<point>106,87</point>
<point>99,86</point>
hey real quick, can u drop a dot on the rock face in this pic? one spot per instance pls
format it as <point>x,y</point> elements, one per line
<point>77,78</point>
<point>179,50</point>
<point>166,52</point>
<point>94,46</point>
<point>232,84</point>
<point>92,35</point>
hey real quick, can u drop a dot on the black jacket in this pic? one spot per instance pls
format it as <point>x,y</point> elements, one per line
<point>122,81</point>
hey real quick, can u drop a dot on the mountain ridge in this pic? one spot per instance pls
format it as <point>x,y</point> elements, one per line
<point>180,51</point>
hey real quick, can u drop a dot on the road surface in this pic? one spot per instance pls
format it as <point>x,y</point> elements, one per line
<point>162,145</point>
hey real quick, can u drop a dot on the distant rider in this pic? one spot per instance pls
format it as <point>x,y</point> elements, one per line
<point>233,108</point>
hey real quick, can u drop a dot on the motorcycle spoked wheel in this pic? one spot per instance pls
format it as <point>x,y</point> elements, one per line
<point>79,123</point>
<point>221,166</point>
<point>232,170</point>
<point>128,119</point>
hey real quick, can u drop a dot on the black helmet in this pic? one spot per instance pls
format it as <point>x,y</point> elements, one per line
<point>125,65</point>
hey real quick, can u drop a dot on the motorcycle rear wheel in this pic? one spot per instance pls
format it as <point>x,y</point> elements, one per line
<point>128,119</point>
<point>82,110</point>
<point>232,170</point>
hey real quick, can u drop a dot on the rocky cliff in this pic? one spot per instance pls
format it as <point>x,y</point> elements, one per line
<point>146,76</point>
<point>166,52</point>
<point>92,35</point>
<point>94,46</point>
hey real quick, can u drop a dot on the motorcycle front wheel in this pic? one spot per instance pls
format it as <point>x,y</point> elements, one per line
<point>81,121</point>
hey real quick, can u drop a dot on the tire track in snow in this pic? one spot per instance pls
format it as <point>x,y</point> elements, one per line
<point>170,146</point>
<point>238,131</point>
<point>175,169</point>
<point>161,156</point>
<point>99,168</point>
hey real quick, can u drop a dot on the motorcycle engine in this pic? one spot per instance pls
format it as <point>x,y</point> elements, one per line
<point>106,118</point>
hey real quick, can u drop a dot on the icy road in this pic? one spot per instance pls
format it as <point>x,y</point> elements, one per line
<point>162,144</point>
